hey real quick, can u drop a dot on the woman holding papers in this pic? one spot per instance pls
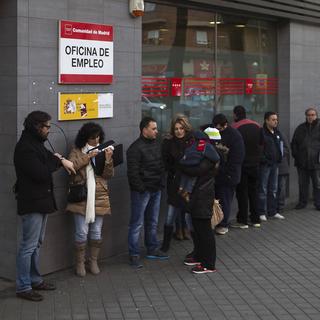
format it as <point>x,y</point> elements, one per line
<point>88,198</point>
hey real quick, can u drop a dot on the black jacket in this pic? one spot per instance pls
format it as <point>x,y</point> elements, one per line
<point>230,171</point>
<point>284,165</point>
<point>172,151</point>
<point>34,165</point>
<point>305,145</point>
<point>202,196</point>
<point>145,167</point>
<point>272,143</point>
<point>251,134</point>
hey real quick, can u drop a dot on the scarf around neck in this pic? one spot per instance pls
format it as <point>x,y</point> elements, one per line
<point>91,189</point>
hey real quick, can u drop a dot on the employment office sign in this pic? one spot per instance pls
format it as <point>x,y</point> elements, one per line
<point>85,53</point>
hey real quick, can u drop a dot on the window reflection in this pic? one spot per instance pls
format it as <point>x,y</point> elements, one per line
<point>198,63</point>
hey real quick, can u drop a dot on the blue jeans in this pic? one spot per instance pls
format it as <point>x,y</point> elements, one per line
<point>267,190</point>
<point>144,211</point>
<point>33,231</point>
<point>82,228</point>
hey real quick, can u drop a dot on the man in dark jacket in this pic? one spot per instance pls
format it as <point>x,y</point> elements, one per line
<point>305,148</point>
<point>269,166</point>
<point>145,172</point>
<point>247,188</point>
<point>34,165</point>
<point>229,171</point>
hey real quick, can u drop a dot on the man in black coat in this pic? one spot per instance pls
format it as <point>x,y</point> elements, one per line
<point>145,172</point>
<point>305,148</point>
<point>229,171</point>
<point>271,157</point>
<point>34,165</point>
<point>247,188</point>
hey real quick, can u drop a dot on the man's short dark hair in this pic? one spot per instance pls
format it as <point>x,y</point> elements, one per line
<point>220,119</point>
<point>240,112</point>
<point>268,114</point>
<point>35,120</point>
<point>145,122</point>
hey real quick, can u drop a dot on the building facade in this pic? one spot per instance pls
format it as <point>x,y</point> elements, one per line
<point>198,57</point>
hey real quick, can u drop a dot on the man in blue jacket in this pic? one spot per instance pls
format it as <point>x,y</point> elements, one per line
<point>269,166</point>
<point>230,170</point>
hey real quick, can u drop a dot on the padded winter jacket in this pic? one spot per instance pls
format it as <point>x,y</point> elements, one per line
<point>102,202</point>
<point>34,165</point>
<point>305,145</point>
<point>145,169</point>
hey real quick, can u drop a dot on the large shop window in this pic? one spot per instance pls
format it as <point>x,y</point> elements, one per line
<point>200,63</point>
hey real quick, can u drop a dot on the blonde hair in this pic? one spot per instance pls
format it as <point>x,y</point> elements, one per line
<point>183,121</point>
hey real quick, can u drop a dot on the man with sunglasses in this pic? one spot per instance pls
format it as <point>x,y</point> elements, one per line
<point>34,165</point>
<point>305,146</point>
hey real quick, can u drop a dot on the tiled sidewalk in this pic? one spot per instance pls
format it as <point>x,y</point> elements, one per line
<point>268,273</point>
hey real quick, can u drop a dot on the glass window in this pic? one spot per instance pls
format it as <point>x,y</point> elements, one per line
<point>201,62</point>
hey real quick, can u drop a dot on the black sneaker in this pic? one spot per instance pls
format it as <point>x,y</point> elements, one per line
<point>191,262</point>
<point>45,286</point>
<point>190,254</point>
<point>157,255</point>
<point>135,262</point>
<point>200,269</point>
<point>300,206</point>
<point>30,295</point>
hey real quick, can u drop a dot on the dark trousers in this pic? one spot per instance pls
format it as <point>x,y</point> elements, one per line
<point>246,195</point>
<point>225,195</point>
<point>304,176</point>
<point>205,244</point>
<point>281,193</point>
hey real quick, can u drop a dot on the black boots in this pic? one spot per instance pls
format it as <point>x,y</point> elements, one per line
<point>167,235</point>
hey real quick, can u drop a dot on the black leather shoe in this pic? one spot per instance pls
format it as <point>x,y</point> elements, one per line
<point>46,286</point>
<point>300,206</point>
<point>30,295</point>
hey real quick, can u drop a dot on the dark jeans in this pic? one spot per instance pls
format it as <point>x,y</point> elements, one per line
<point>281,193</point>
<point>267,190</point>
<point>145,208</point>
<point>304,176</point>
<point>225,195</point>
<point>205,245</point>
<point>246,195</point>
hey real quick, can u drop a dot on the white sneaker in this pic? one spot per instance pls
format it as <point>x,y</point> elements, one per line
<point>278,216</point>
<point>263,218</point>
<point>221,230</point>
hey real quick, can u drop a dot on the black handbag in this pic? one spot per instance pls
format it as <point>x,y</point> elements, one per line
<point>77,193</point>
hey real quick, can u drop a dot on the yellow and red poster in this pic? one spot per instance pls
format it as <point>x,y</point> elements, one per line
<point>79,106</point>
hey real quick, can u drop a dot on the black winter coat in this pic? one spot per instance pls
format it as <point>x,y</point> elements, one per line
<point>251,134</point>
<point>145,167</point>
<point>230,171</point>
<point>172,151</point>
<point>34,165</point>
<point>202,196</point>
<point>305,145</point>
<point>272,142</point>
<point>284,165</point>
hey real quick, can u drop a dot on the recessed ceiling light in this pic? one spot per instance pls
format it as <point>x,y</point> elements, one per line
<point>240,25</point>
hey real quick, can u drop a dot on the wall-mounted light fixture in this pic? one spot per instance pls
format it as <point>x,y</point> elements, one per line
<point>136,7</point>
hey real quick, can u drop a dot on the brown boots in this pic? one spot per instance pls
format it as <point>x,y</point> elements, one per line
<point>80,253</point>
<point>94,246</point>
